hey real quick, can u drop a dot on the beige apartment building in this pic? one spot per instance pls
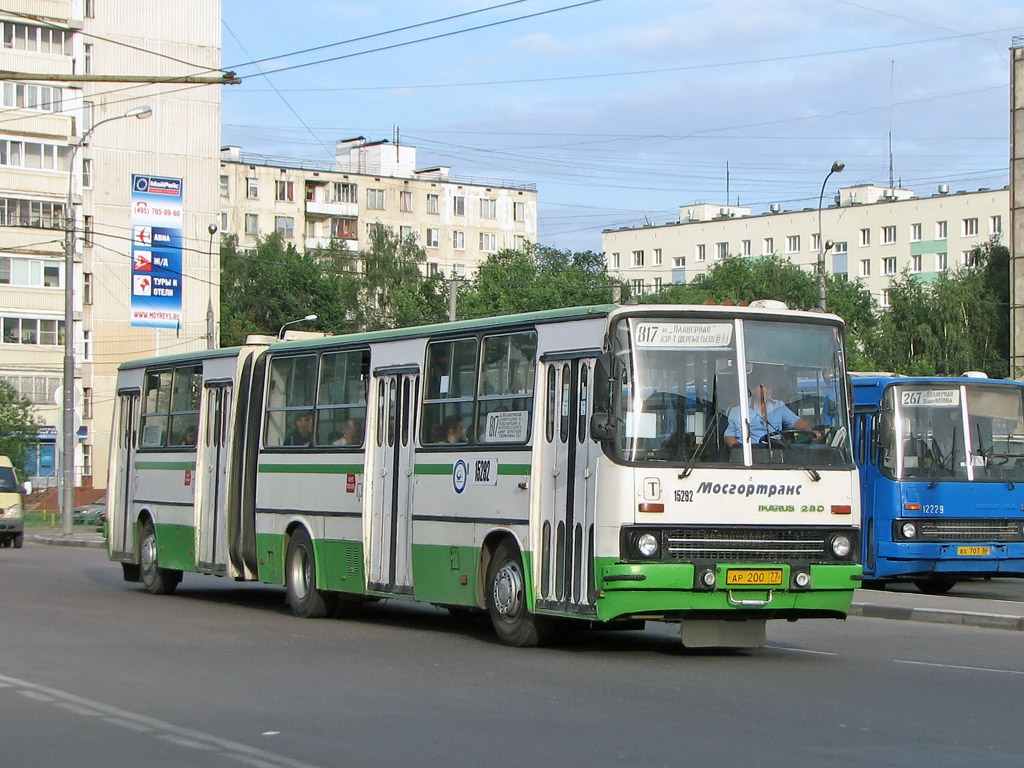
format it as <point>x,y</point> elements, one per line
<point>458,221</point>
<point>47,44</point>
<point>876,232</point>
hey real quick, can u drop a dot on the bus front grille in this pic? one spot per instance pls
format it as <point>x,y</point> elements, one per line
<point>747,544</point>
<point>969,529</point>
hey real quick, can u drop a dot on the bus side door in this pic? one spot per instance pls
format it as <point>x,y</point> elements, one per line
<point>213,464</point>
<point>121,520</point>
<point>565,579</point>
<point>396,392</point>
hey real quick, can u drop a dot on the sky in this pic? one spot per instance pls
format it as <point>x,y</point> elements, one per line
<point>621,111</point>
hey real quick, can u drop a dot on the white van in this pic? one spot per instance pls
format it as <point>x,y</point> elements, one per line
<point>12,524</point>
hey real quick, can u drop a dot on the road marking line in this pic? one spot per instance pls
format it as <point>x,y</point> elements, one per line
<point>801,650</point>
<point>137,727</point>
<point>77,708</point>
<point>167,731</point>
<point>959,666</point>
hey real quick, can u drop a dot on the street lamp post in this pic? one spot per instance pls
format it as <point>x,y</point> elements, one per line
<point>837,167</point>
<point>67,501</point>
<point>211,326</point>
<point>280,333</point>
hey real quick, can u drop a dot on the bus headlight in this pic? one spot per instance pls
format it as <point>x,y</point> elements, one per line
<point>13,511</point>
<point>909,530</point>
<point>841,545</point>
<point>647,545</point>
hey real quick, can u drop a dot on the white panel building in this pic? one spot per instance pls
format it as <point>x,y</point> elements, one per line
<point>876,232</point>
<point>41,122</point>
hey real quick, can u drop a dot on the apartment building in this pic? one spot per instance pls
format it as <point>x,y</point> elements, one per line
<point>44,166</point>
<point>458,221</point>
<point>876,232</point>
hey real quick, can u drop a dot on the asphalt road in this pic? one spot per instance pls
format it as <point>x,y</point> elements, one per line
<point>95,672</point>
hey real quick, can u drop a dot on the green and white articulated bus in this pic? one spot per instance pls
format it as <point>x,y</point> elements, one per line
<point>589,463</point>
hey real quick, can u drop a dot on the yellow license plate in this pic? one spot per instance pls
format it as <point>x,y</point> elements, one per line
<point>973,551</point>
<point>753,577</point>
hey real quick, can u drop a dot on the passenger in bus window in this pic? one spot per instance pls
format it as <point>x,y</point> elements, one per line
<point>351,434</point>
<point>303,432</point>
<point>189,438</point>
<point>766,416</point>
<point>454,429</point>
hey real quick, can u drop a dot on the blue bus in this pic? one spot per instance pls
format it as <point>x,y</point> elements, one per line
<point>940,460</point>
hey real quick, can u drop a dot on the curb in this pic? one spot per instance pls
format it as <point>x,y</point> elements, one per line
<point>939,616</point>
<point>67,541</point>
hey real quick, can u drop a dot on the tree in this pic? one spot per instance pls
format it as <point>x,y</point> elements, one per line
<point>537,278</point>
<point>18,425</point>
<point>392,291</point>
<point>744,280</point>
<point>275,284</point>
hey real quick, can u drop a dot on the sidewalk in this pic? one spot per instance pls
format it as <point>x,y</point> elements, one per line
<point>81,537</point>
<point>938,609</point>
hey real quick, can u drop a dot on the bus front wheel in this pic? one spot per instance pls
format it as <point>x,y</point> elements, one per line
<point>156,580</point>
<point>305,600</point>
<point>506,601</point>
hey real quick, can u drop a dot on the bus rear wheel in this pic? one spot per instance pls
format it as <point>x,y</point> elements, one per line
<point>506,601</point>
<point>156,580</point>
<point>935,585</point>
<point>305,600</point>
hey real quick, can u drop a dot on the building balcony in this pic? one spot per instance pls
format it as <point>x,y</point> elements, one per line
<point>316,243</point>
<point>347,210</point>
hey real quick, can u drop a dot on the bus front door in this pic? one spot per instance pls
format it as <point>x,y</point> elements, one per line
<point>121,518</point>
<point>213,457</point>
<point>396,392</point>
<point>565,572</point>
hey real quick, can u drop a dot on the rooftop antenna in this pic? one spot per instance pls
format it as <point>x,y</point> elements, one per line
<point>892,74</point>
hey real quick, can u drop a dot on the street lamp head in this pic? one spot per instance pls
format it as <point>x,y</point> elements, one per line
<point>212,229</point>
<point>310,317</point>
<point>837,166</point>
<point>140,112</point>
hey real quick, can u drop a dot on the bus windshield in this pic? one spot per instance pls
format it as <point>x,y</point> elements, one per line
<point>677,384</point>
<point>954,431</point>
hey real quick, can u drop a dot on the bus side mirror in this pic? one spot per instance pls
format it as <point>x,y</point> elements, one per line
<point>601,428</point>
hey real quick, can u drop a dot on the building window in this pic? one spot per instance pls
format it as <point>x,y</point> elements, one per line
<point>792,243</point>
<point>488,208</point>
<point>375,199</point>
<point>33,330</point>
<point>344,192</point>
<point>940,262</point>
<point>28,37</point>
<point>885,300</point>
<point>865,268</point>
<point>31,273</point>
<point>657,284</point>
<point>969,228</point>
<point>16,212</point>
<point>87,173</point>
<point>252,225</point>
<point>459,240</point>
<point>86,402</point>
<point>995,225</point>
<point>284,191</point>
<point>90,9</point>
<point>45,98</point>
<point>657,257</point>
<point>404,233</point>
<point>768,246</point>
<point>433,206</point>
<point>638,259</point>
<point>223,186</point>
<point>815,242</point>
<point>519,211</point>
<point>915,263</point>
<point>488,242</point>
<point>915,233</point>
<point>33,154</point>
<point>889,265</point>
<point>433,238</point>
<point>721,250</point>
<point>941,230</point>
<point>344,227</point>
<point>225,221</point>
<point>888,235</point>
<point>87,288</point>
<point>285,226</point>
<point>638,287</point>
<point>87,59</point>
<point>744,247</point>
<point>615,261</point>
<point>865,237</point>
<point>967,258</point>
<point>405,201</point>
<point>459,205</point>
<point>519,242</point>
<point>678,262</point>
<point>433,269</point>
<point>840,247</point>
<point>701,252</point>
<point>252,188</point>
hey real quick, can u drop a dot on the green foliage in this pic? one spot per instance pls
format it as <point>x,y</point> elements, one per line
<point>739,280</point>
<point>18,426</point>
<point>536,278</point>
